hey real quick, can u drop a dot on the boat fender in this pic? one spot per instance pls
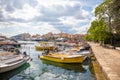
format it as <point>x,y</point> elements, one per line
<point>62,58</point>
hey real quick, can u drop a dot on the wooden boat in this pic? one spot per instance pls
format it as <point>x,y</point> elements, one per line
<point>11,62</point>
<point>10,43</point>
<point>10,74</point>
<point>45,46</point>
<point>63,58</point>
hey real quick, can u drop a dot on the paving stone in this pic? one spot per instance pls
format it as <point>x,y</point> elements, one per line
<point>109,60</point>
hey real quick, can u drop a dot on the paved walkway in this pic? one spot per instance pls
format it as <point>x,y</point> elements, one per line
<point>109,60</point>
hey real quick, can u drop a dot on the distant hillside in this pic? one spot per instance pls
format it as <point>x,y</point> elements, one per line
<point>23,36</point>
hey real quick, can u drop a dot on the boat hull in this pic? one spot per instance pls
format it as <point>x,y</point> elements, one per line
<point>13,66</point>
<point>40,48</point>
<point>77,59</point>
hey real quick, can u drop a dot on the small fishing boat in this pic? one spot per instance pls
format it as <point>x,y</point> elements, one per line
<point>63,58</point>
<point>11,60</point>
<point>45,46</point>
<point>10,74</point>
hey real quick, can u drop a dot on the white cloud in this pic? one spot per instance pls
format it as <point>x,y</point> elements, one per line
<point>26,13</point>
<point>82,30</point>
<point>72,21</point>
<point>10,29</point>
<point>42,16</point>
<point>56,2</point>
<point>45,28</point>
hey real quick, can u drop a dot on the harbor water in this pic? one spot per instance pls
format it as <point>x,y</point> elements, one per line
<point>37,69</point>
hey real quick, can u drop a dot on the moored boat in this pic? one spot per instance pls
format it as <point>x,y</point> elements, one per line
<point>12,59</point>
<point>10,55</point>
<point>63,58</point>
<point>10,74</point>
<point>13,62</point>
<point>45,46</point>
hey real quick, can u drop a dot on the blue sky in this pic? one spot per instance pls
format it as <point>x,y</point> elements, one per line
<point>43,16</point>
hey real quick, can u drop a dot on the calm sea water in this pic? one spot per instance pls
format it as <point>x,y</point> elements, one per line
<point>46,70</point>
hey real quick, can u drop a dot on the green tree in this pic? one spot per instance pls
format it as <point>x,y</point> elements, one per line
<point>103,11</point>
<point>106,27</point>
<point>97,31</point>
<point>115,10</point>
<point>109,10</point>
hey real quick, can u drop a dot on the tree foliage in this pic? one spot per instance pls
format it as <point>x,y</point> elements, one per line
<point>97,31</point>
<point>115,10</point>
<point>107,23</point>
<point>109,10</point>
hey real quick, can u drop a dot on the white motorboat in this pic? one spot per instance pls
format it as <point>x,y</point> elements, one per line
<point>12,61</point>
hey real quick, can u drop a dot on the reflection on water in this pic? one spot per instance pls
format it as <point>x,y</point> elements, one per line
<point>74,67</point>
<point>59,71</point>
<point>47,70</point>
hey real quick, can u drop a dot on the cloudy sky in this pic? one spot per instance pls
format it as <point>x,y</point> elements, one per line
<point>43,16</point>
